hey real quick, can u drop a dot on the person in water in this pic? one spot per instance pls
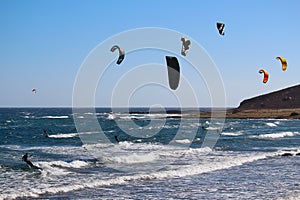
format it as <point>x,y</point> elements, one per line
<point>46,133</point>
<point>116,138</point>
<point>25,159</point>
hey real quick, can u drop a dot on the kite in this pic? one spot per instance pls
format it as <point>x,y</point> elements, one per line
<point>283,62</point>
<point>221,28</point>
<point>266,75</point>
<point>173,72</point>
<point>121,53</point>
<point>185,45</point>
<point>34,90</point>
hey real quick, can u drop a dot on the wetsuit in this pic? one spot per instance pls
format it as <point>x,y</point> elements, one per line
<point>45,132</point>
<point>25,159</point>
<point>116,138</point>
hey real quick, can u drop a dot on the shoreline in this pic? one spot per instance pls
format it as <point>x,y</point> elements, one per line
<point>247,114</point>
<point>230,113</point>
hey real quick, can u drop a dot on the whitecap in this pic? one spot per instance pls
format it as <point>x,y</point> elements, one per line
<point>184,141</point>
<point>55,117</point>
<point>271,124</point>
<point>231,133</point>
<point>276,135</point>
<point>67,135</point>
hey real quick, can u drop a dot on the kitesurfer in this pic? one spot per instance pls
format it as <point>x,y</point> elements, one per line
<point>116,138</point>
<point>25,159</point>
<point>46,133</point>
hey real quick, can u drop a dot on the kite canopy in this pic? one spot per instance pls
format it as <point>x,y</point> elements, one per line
<point>283,62</point>
<point>173,72</point>
<point>121,53</point>
<point>185,45</point>
<point>266,75</point>
<point>221,28</point>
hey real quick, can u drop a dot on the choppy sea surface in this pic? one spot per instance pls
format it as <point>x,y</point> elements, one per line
<point>247,161</point>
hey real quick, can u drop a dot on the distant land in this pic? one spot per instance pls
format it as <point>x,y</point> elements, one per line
<point>281,104</point>
<point>288,98</point>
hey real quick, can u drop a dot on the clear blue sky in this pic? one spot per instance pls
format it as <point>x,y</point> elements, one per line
<point>43,43</point>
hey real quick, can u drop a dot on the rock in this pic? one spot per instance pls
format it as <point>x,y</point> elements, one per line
<point>287,154</point>
<point>294,114</point>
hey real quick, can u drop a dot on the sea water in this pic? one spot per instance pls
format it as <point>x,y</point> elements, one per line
<point>245,163</point>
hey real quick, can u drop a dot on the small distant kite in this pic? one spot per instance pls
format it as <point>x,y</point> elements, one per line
<point>266,75</point>
<point>283,62</point>
<point>173,72</point>
<point>221,28</point>
<point>185,45</point>
<point>34,90</point>
<point>121,53</point>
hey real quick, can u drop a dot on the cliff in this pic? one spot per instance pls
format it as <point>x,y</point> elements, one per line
<point>288,98</point>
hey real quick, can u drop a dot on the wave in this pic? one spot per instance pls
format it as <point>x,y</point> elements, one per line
<point>212,128</point>
<point>111,116</point>
<point>46,117</point>
<point>123,116</point>
<point>68,135</point>
<point>231,133</point>
<point>63,164</point>
<point>28,117</point>
<point>55,117</point>
<point>185,141</point>
<point>183,171</point>
<point>271,124</point>
<point>134,158</point>
<point>289,152</point>
<point>275,135</point>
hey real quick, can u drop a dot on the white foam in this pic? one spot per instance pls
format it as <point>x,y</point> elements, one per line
<point>55,117</point>
<point>198,150</point>
<point>221,163</point>
<point>276,135</point>
<point>29,117</point>
<point>212,128</point>
<point>231,133</point>
<point>73,164</point>
<point>67,135</point>
<point>54,169</point>
<point>271,124</point>
<point>134,158</point>
<point>59,168</point>
<point>294,196</point>
<point>111,116</point>
<point>185,141</point>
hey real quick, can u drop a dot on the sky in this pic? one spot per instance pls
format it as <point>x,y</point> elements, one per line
<point>44,43</point>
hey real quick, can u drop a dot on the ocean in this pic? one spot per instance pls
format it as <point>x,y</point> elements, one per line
<point>246,161</point>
